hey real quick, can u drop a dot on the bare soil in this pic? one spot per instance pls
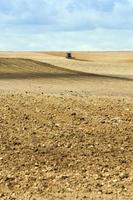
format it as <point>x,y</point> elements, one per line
<point>66,147</point>
<point>55,75</point>
<point>66,126</point>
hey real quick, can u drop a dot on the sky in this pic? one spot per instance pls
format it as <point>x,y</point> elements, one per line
<point>66,25</point>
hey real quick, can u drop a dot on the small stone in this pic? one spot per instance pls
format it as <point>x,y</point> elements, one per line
<point>108,191</point>
<point>2,195</point>
<point>57,125</point>
<point>73,114</point>
<point>82,118</point>
<point>103,121</point>
<point>124,175</point>
<point>115,180</point>
<point>36,164</point>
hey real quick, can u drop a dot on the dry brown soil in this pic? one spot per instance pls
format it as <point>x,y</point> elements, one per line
<point>66,133</point>
<point>52,74</point>
<point>66,147</point>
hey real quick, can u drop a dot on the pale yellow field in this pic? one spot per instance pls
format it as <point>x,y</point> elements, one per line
<point>99,73</point>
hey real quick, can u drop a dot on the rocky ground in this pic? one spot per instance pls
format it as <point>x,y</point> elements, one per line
<point>66,147</point>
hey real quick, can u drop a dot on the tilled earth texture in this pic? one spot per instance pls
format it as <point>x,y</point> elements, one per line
<point>66,147</point>
<point>66,126</point>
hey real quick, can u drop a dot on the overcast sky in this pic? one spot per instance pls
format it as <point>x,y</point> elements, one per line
<point>66,24</point>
